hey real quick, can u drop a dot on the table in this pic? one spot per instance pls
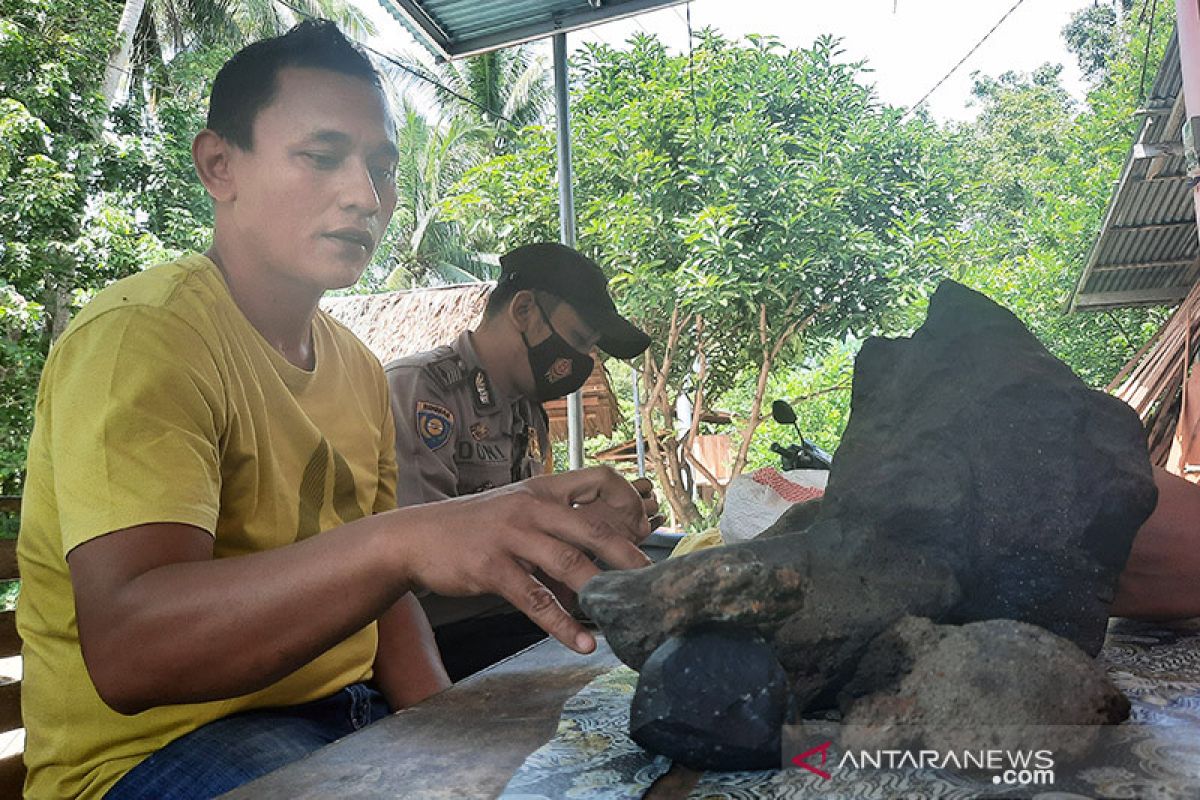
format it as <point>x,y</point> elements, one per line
<point>469,740</point>
<point>463,743</point>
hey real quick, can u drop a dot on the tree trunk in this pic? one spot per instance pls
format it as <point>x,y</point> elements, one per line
<point>662,452</point>
<point>770,351</point>
<point>118,59</point>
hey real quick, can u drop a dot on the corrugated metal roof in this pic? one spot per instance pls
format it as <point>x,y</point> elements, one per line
<point>1146,252</point>
<point>457,28</point>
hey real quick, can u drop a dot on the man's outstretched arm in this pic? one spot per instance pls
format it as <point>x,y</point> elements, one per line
<point>161,621</point>
<point>1162,577</point>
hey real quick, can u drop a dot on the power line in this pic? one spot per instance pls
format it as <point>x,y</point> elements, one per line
<point>963,60</point>
<point>1146,52</point>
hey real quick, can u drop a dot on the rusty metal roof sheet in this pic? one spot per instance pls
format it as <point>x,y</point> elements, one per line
<point>1146,253</point>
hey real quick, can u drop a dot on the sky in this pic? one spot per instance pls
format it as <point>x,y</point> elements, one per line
<point>908,44</point>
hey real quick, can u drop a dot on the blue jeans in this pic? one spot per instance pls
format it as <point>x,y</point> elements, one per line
<point>229,752</point>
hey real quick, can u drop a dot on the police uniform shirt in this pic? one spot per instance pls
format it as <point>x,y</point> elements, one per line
<point>454,434</point>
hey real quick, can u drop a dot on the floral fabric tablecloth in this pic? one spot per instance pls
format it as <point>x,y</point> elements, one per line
<point>1157,755</point>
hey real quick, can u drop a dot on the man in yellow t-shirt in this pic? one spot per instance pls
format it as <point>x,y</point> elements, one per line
<point>215,579</point>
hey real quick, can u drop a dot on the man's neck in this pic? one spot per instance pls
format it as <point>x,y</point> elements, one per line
<point>281,310</point>
<point>497,359</point>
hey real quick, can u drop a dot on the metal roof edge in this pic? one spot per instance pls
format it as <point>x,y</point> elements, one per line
<point>1109,213</point>
<point>561,24</point>
<point>423,37</point>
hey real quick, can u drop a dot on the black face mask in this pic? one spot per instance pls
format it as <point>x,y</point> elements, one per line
<point>558,369</point>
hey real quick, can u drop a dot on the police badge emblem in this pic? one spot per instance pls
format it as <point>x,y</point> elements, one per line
<point>434,424</point>
<point>483,389</point>
<point>560,369</point>
<point>479,431</point>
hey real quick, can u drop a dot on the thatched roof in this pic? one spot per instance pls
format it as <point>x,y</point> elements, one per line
<point>396,324</point>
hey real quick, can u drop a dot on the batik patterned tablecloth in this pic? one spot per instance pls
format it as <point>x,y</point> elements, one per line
<point>1156,756</point>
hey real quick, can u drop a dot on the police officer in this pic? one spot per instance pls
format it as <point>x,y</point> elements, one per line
<point>469,415</point>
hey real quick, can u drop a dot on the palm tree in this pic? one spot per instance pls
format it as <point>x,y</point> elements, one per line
<point>459,115</point>
<point>149,30</point>
<point>422,247</point>
<point>503,90</point>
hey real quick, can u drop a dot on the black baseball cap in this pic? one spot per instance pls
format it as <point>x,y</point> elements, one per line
<point>580,283</point>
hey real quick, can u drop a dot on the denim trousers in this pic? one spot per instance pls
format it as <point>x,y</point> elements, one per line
<point>226,753</point>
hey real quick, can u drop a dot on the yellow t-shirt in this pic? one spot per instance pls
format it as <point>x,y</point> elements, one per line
<point>161,403</point>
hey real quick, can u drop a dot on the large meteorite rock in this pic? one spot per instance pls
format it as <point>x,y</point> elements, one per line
<point>978,478</point>
<point>988,685</point>
<point>972,441</point>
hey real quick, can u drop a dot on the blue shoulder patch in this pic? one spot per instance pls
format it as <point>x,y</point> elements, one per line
<point>434,424</point>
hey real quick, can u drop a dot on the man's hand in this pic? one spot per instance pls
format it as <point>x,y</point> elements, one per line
<point>493,543</point>
<point>645,490</point>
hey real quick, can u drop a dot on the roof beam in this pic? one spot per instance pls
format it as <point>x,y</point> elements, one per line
<point>1170,176</point>
<point>1157,226</point>
<point>435,37</point>
<point>1183,262</point>
<point>1135,297</point>
<point>1157,150</point>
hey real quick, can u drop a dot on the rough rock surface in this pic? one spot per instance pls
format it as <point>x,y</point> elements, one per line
<point>978,478</point>
<point>971,440</point>
<point>677,712</point>
<point>998,684</point>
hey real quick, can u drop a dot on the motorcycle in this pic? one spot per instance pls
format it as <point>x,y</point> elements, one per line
<point>806,454</point>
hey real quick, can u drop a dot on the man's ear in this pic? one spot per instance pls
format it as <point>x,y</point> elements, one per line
<point>211,155</point>
<point>523,310</point>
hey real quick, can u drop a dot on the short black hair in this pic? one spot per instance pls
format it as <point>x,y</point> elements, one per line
<point>246,84</point>
<point>505,291</point>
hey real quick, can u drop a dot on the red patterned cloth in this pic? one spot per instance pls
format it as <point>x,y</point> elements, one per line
<point>788,490</point>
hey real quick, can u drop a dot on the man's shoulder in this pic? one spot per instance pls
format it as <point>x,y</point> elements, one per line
<point>441,367</point>
<point>156,289</point>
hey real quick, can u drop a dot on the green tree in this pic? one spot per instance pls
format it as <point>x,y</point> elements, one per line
<point>474,113</point>
<point>777,200</point>
<point>147,29</point>
<point>1038,174</point>
<point>1094,36</point>
<point>78,208</point>
<point>421,247</point>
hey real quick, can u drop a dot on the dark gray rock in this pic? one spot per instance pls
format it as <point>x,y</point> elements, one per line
<point>978,478</point>
<point>818,598</point>
<point>1000,685</point>
<point>972,441</point>
<point>715,698</point>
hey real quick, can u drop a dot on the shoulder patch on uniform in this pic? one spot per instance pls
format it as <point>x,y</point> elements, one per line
<point>434,424</point>
<point>447,372</point>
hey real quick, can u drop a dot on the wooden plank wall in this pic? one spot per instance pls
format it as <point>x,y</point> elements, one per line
<point>12,768</point>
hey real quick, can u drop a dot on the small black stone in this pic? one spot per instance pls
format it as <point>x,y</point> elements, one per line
<point>714,698</point>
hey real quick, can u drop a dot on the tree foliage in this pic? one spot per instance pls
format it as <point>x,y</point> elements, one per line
<point>1040,170</point>
<point>459,114</point>
<point>85,197</point>
<point>758,208</point>
<point>739,198</point>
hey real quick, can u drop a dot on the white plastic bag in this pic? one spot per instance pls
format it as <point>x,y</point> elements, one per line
<point>755,500</point>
